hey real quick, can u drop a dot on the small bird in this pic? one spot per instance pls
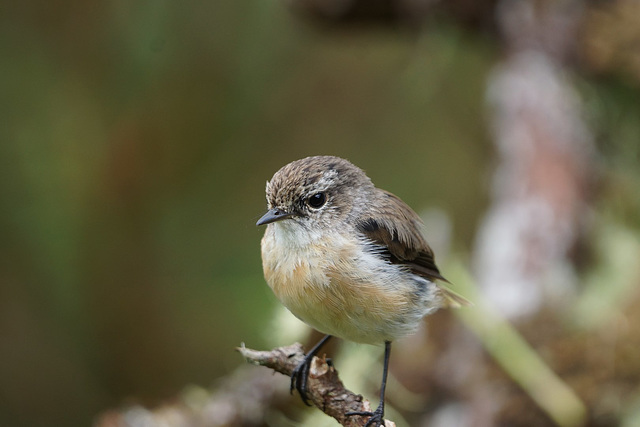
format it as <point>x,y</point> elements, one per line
<point>348,259</point>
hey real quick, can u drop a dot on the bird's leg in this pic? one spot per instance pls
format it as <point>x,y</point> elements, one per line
<point>301,372</point>
<point>377,417</point>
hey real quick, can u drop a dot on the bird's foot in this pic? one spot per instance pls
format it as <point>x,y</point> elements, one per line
<point>300,374</point>
<point>299,378</point>
<point>376,418</point>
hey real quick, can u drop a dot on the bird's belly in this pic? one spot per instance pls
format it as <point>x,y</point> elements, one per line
<point>361,313</point>
<point>345,296</point>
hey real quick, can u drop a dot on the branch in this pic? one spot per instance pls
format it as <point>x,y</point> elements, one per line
<point>325,389</point>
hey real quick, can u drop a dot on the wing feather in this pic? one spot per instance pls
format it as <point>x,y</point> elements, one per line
<point>396,227</point>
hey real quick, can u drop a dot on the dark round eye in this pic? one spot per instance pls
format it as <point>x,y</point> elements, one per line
<point>317,200</point>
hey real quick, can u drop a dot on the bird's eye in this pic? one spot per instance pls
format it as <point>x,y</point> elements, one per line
<point>317,200</point>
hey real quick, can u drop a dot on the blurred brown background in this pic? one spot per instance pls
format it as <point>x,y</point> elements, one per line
<point>136,138</point>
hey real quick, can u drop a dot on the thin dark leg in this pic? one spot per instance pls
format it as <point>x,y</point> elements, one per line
<point>377,416</point>
<point>301,372</point>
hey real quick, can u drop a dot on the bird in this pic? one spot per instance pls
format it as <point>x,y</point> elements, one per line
<point>348,259</point>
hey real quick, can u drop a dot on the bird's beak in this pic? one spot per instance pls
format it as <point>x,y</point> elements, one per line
<point>273,215</point>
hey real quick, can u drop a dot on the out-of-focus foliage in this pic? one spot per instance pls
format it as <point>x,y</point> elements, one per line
<point>610,39</point>
<point>135,141</point>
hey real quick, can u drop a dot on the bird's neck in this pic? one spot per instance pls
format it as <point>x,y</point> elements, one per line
<point>294,236</point>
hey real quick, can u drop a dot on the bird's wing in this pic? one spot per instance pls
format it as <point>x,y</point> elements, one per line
<point>395,227</point>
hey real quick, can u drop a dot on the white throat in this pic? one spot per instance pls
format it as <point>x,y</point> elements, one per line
<point>292,235</point>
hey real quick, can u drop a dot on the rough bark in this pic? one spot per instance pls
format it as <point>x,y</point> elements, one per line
<point>325,389</point>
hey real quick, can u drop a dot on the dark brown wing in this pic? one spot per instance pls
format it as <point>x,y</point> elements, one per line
<point>396,227</point>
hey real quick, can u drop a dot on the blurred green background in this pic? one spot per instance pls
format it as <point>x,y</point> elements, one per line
<point>135,142</point>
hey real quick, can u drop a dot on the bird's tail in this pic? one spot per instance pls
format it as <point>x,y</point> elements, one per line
<point>453,299</point>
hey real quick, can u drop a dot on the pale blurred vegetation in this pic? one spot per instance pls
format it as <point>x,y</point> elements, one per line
<point>135,141</point>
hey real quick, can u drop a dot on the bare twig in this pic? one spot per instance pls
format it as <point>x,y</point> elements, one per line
<point>325,389</point>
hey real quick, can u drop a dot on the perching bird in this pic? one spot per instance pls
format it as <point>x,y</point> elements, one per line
<point>348,259</point>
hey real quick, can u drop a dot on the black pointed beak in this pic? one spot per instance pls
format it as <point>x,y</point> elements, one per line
<point>273,215</point>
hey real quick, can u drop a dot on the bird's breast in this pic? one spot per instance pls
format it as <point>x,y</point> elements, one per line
<point>339,287</point>
<point>294,266</point>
